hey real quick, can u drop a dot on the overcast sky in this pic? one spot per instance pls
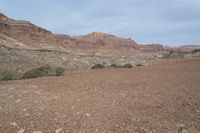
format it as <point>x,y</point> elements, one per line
<point>168,22</point>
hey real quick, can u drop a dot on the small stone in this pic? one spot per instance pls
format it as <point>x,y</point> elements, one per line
<point>193,130</point>
<point>60,130</point>
<point>172,131</point>
<point>10,88</point>
<point>185,131</point>
<point>18,100</point>
<point>27,114</point>
<point>13,124</point>
<point>21,130</point>
<point>87,114</point>
<point>78,100</point>
<point>37,131</point>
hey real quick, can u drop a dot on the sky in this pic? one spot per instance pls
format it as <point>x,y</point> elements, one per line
<point>167,22</point>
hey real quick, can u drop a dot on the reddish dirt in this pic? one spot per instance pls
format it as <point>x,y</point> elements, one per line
<point>162,97</point>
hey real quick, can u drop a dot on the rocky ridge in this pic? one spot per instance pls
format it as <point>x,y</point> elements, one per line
<point>25,35</point>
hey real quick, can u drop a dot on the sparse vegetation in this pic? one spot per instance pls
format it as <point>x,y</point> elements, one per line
<point>166,56</point>
<point>195,51</point>
<point>43,71</point>
<point>6,74</point>
<point>59,71</point>
<point>127,66</point>
<point>98,66</point>
<point>114,66</point>
<point>122,66</point>
<point>177,54</point>
<point>139,65</point>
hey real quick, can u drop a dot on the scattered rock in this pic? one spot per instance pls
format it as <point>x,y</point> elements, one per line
<point>34,86</point>
<point>18,100</point>
<point>37,131</point>
<point>193,130</point>
<point>78,100</point>
<point>60,130</point>
<point>172,131</point>
<point>27,114</point>
<point>13,124</point>
<point>78,113</point>
<point>87,114</point>
<point>185,131</point>
<point>10,88</point>
<point>21,130</point>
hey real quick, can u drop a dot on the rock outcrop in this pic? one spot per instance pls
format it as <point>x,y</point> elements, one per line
<point>25,35</point>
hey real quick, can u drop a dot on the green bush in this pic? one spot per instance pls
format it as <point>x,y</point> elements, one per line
<point>122,66</point>
<point>195,51</point>
<point>139,65</point>
<point>98,66</point>
<point>114,65</point>
<point>166,56</point>
<point>43,71</point>
<point>7,74</point>
<point>127,66</point>
<point>59,71</point>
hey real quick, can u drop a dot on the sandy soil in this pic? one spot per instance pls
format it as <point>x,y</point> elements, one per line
<point>162,97</point>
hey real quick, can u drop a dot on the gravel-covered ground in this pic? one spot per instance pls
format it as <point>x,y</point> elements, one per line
<point>160,97</point>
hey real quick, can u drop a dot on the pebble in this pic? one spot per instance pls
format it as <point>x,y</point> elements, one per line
<point>87,114</point>
<point>172,131</point>
<point>193,130</point>
<point>77,113</point>
<point>27,114</point>
<point>37,131</point>
<point>59,130</point>
<point>185,131</point>
<point>34,86</point>
<point>18,100</point>
<point>10,88</point>
<point>13,124</point>
<point>21,131</point>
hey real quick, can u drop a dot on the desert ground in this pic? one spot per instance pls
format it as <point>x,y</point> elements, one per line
<point>161,97</point>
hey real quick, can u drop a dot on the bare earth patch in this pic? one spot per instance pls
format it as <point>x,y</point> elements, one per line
<point>162,97</point>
